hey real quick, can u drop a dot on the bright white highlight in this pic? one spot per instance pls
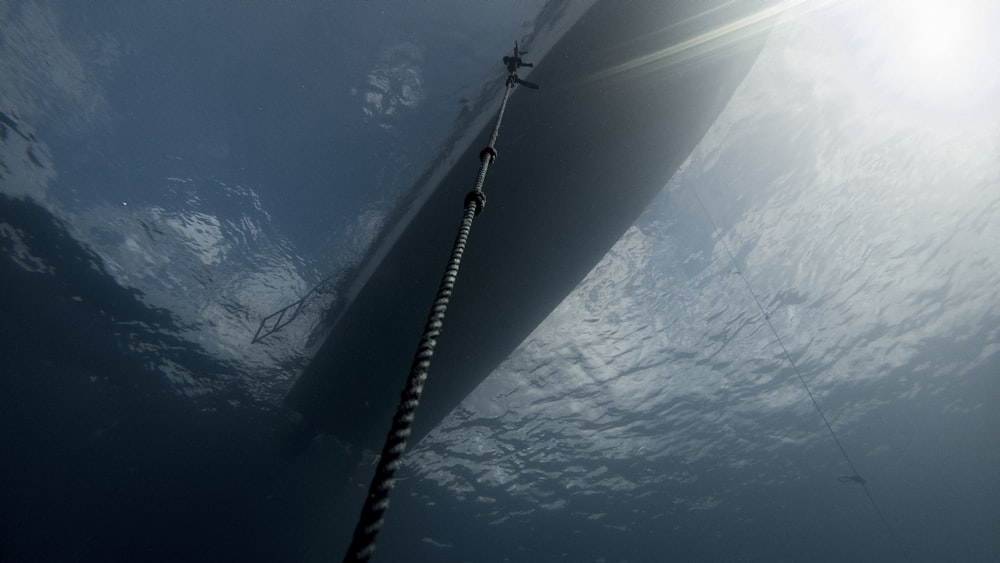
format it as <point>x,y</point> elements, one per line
<point>939,53</point>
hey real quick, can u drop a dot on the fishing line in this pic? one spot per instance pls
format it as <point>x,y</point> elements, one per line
<point>855,477</point>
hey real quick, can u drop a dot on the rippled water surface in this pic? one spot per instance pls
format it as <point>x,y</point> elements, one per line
<point>793,354</point>
<point>822,226</point>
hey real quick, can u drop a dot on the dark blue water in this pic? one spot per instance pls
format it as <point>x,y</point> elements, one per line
<point>171,174</point>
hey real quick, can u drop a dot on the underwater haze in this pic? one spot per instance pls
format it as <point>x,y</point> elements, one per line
<point>792,355</point>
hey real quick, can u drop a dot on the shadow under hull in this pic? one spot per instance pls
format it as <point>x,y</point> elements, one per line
<point>578,162</point>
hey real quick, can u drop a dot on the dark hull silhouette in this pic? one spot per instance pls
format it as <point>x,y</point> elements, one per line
<point>578,162</point>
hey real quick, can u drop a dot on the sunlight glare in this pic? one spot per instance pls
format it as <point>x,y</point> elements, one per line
<point>937,52</point>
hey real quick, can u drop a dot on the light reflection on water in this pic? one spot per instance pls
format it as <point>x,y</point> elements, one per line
<point>868,232</point>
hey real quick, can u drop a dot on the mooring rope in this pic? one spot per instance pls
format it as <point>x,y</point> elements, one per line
<point>372,513</point>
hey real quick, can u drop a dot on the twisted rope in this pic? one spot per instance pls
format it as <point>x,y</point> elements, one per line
<point>372,513</point>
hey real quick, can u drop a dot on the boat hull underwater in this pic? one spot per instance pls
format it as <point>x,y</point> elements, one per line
<point>626,95</point>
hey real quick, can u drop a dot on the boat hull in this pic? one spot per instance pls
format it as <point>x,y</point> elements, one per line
<point>626,95</point>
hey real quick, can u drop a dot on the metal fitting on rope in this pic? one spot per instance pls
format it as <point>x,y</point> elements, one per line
<point>479,197</point>
<point>489,150</point>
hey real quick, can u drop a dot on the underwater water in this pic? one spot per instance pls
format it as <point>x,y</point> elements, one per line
<point>811,298</point>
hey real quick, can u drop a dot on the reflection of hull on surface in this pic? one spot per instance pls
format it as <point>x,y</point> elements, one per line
<point>578,162</point>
